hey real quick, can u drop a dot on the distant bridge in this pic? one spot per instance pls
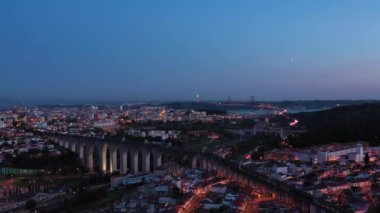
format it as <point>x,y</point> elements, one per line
<point>283,133</point>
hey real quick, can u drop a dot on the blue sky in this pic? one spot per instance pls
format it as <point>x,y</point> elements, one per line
<point>173,50</point>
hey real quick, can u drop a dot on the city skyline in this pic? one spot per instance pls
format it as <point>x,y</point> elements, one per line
<point>150,51</point>
<point>190,106</point>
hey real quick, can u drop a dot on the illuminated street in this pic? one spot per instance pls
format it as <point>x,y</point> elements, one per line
<point>253,205</point>
<point>194,202</point>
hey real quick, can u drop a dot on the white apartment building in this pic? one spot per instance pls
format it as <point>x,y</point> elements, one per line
<point>2,125</point>
<point>353,152</point>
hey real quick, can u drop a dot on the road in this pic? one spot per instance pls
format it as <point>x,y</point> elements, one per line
<point>46,201</point>
<point>253,205</point>
<point>43,200</point>
<point>193,203</point>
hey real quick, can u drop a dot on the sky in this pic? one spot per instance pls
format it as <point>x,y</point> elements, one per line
<point>173,50</point>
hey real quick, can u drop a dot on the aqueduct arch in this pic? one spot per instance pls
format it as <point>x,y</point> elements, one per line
<point>111,156</point>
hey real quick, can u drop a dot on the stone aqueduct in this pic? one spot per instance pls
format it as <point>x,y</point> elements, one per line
<point>138,158</point>
<point>111,156</point>
<point>264,185</point>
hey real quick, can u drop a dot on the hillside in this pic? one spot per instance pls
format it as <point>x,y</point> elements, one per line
<point>312,104</point>
<point>341,124</point>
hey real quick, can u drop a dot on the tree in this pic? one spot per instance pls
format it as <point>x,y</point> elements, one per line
<point>30,204</point>
<point>366,159</point>
<point>177,193</point>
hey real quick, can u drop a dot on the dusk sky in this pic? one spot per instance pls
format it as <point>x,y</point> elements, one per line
<point>173,50</point>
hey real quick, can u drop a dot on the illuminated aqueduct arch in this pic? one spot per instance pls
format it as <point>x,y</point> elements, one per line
<point>111,156</point>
